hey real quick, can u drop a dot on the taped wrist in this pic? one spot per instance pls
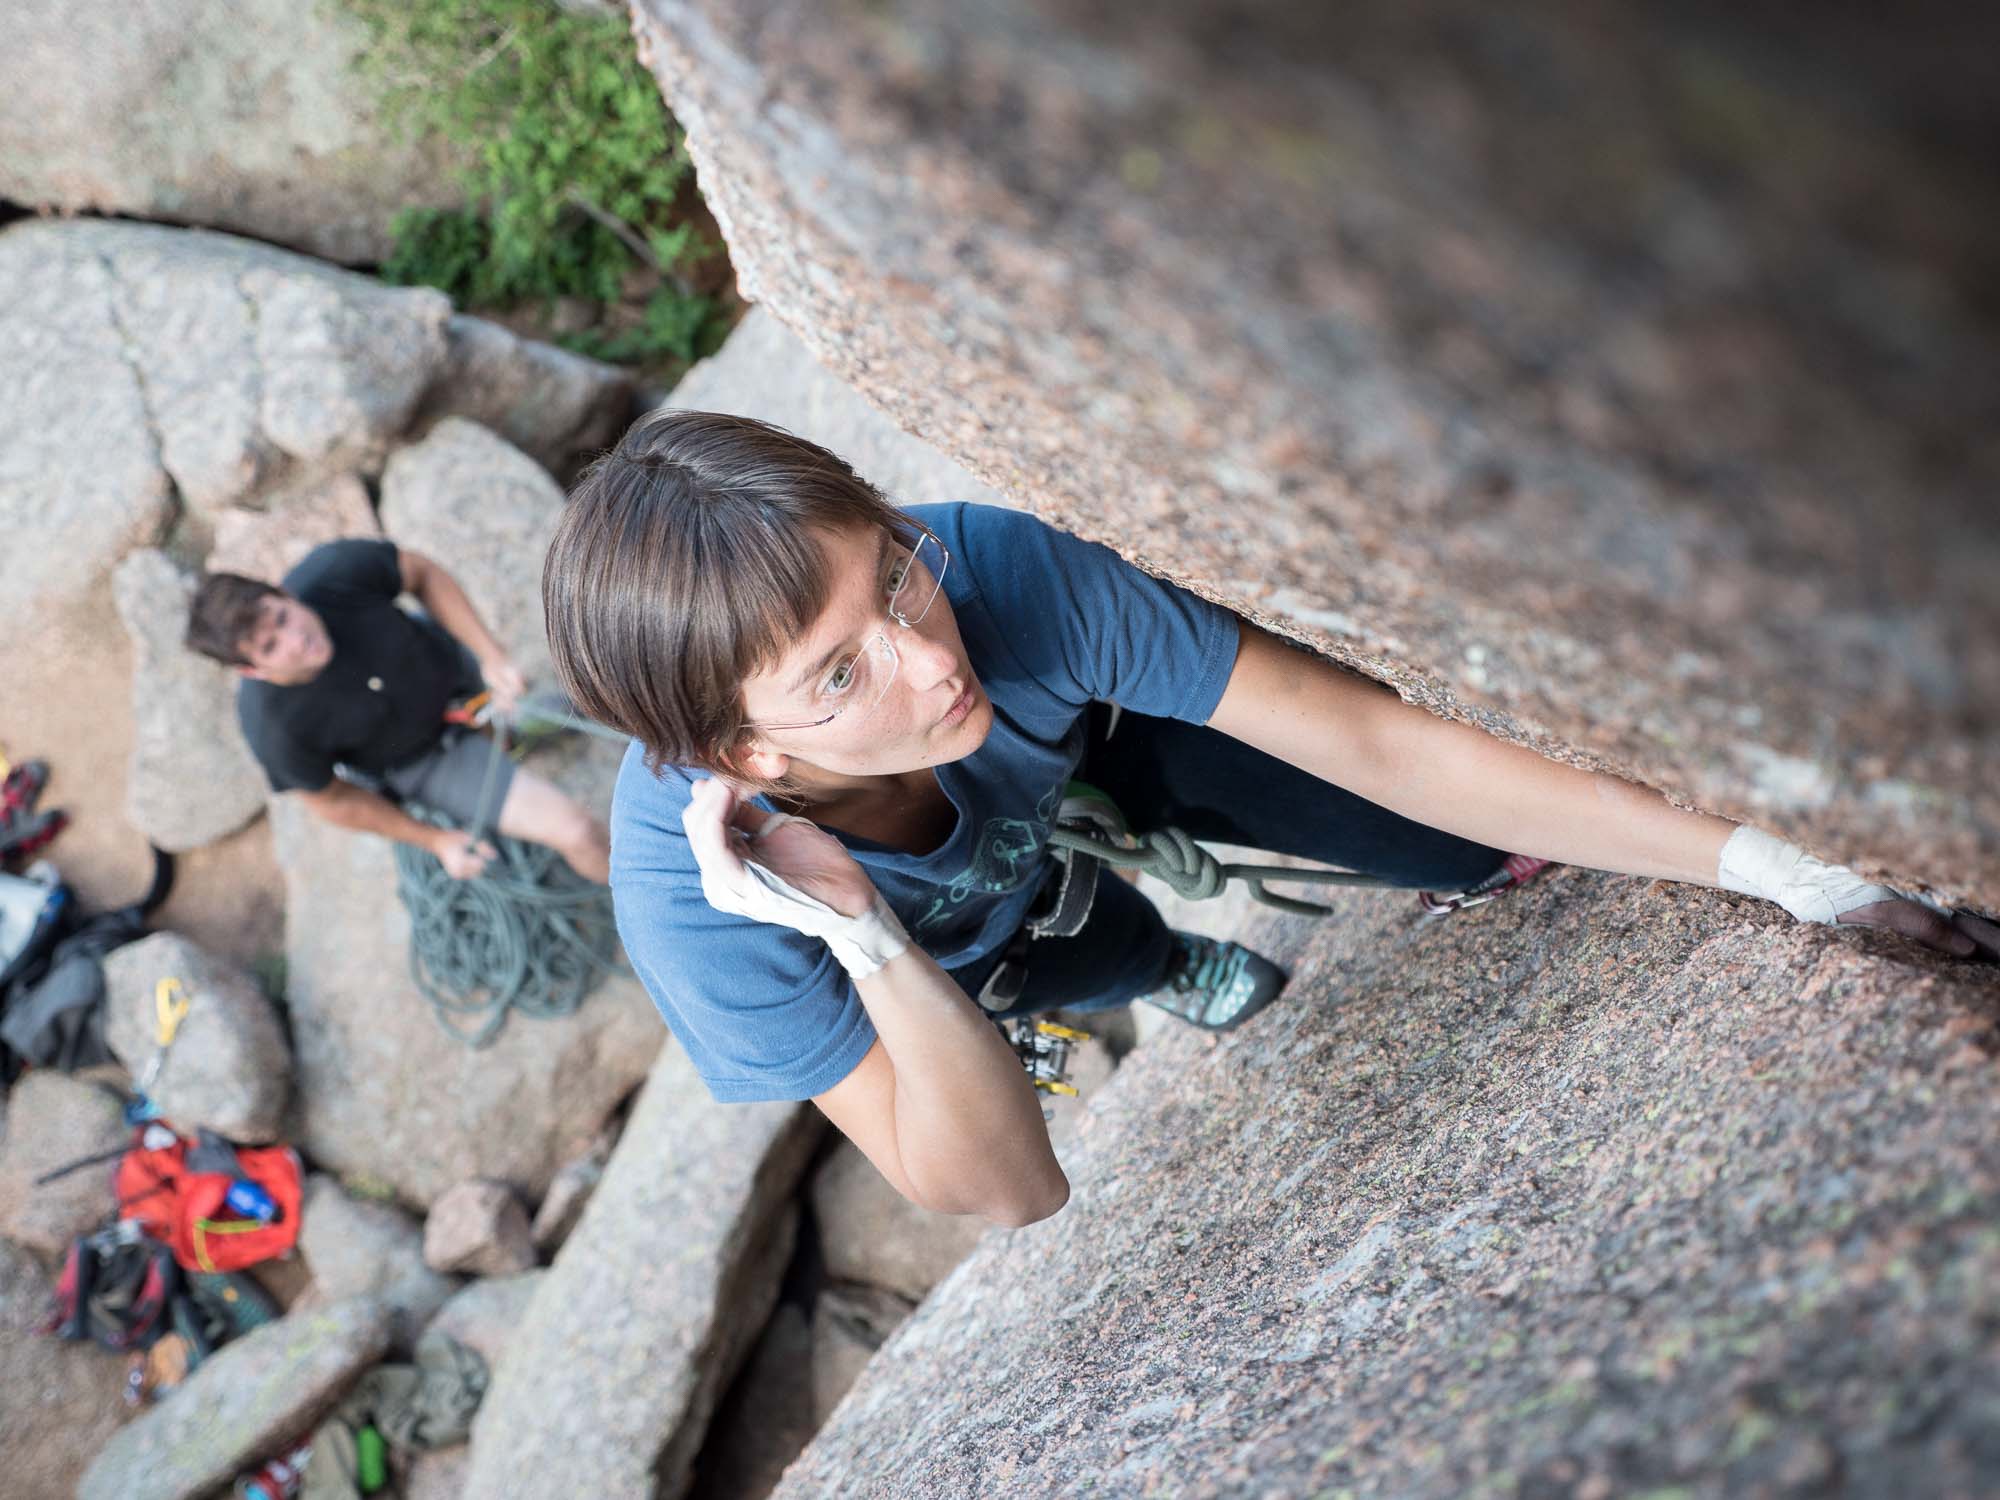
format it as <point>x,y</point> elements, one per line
<point>860,944</point>
<point>870,940</point>
<point>1755,863</point>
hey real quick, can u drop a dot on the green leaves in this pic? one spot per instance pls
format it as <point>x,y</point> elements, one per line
<point>577,169</point>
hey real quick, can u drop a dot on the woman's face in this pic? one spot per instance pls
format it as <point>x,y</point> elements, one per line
<point>934,710</point>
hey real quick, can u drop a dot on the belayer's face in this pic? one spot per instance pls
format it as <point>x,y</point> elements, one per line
<point>288,644</point>
<point>862,693</point>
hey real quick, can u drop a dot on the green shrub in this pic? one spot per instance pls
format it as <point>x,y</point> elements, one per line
<point>576,173</point>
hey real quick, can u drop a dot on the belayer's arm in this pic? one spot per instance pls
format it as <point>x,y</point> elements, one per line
<point>441,595</point>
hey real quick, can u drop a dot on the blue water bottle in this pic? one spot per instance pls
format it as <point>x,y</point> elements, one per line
<point>249,1200</point>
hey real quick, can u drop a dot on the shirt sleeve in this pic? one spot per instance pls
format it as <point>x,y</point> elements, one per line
<point>352,570</point>
<point>1087,625</point>
<point>288,766</point>
<point>761,1011</point>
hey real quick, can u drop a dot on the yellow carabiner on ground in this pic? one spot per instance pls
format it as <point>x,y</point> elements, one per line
<point>170,1008</point>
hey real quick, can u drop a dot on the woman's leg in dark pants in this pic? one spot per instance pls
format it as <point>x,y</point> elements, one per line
<point>1120,955</point>
<point>1161,771</point>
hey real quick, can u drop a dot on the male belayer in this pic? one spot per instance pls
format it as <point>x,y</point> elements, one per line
<point>345,695</point>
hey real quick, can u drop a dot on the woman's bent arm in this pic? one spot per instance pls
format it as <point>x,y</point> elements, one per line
<point>940,1103</point>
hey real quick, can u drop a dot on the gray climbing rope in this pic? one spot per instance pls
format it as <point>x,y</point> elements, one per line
<point>1173,856</point>
<point>527,935</point>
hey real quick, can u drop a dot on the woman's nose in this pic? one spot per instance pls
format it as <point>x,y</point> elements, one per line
<point>927,662</point>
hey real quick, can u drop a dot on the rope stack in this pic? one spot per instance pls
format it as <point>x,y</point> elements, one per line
<point>528,934</point>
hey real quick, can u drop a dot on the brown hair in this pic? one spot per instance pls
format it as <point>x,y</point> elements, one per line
<point>224,611</point>
<point>686,562</point>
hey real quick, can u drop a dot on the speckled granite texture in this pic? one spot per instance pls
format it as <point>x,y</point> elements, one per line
<point>1616,379</point>
<point>1603,1190</point>
<point>1614,376</point>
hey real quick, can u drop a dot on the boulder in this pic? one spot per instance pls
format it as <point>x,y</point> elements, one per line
<point>382,1090</point>
<point>70,384</point>
<point>192,779</point>
<point>255,368</point>
<point>248,117</point>
<point>240,1405</point>
<point>358,1247</point>
<point>269,542</point>
<point>1335,314</point>
<point>228,1068</point>
<point>556,406</point>
<point>569,1194</point>
<point>469,498</point>
<point>766,371</point>
<point>1611,1187</point>
<point>849,1323</point>
<point>485,1315</point>
<point>52,1121</point>
<point>439,1474</point>
<point>655,1301</point>
<point>479,1228</point>
<point>871,1233</point>
<point>766,1418</point>
<point>64,1400</point>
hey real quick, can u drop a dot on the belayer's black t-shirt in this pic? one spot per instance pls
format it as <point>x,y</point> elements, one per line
<point>380,702</point>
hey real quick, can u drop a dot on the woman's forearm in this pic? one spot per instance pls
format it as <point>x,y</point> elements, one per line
<point>968,1132</point>
<point>1350,731</point>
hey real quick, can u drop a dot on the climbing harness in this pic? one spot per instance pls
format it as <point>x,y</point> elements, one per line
<point>1090,832</point>
<point>528,934</point>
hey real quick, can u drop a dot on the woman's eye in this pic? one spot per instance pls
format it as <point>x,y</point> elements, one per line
<point>897,573</point>
<point>841,679</point>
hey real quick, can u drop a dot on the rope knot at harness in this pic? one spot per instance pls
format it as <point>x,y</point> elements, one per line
<point>1184,865</point>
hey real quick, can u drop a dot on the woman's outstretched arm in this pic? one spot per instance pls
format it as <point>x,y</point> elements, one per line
<point>1351,731</point>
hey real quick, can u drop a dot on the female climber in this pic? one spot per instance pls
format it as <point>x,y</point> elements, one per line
<point>853,726</point>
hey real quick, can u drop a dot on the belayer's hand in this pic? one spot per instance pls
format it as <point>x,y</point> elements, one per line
<point>1756,863</point>
<point>779,869</point>
<point>462,856</point>
<point>505,682</point>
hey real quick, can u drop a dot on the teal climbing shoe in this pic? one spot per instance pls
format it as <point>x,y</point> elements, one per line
<point>1216,985</point>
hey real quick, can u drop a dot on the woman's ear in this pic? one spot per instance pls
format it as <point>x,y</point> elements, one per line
<point>757,764</point>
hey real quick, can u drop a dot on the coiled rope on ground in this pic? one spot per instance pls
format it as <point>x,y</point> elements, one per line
<point>526,935</point>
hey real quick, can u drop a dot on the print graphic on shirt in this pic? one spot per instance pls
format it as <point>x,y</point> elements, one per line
<point>1007,852</point>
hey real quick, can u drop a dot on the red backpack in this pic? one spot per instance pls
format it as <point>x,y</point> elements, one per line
<point>185,1209</point>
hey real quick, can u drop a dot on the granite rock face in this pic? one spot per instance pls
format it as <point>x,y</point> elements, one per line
<point>192,780</point>
<point>240,114</point>
<point>764,370</point>
<point>355,1247</point>
<point>655,1301</point>
<point>1582,379</point>
<point>382,1090</point>
<point>268,542</point>
<point>54,1120</point>
<point>252,1396</point>
<point>479,1228</point>
<point>1604,1189</point>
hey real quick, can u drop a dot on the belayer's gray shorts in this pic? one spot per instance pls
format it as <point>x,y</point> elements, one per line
<point>453,778</point>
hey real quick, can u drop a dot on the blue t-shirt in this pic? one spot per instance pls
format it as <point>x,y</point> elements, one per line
<point>1049,624</point>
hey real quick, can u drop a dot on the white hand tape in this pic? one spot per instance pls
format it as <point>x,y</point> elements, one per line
<point>860,944</point>
<point>1755,863</point>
